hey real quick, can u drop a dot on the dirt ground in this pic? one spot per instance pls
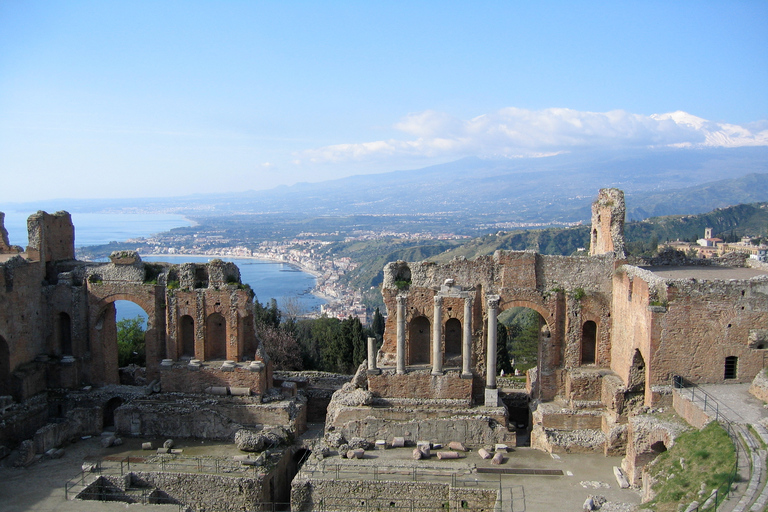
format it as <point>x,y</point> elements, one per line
<point>40,486</point>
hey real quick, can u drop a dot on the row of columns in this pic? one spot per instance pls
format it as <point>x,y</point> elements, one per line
<point>466,345</point>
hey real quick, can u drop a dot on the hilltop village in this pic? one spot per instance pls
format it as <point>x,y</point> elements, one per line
<point>426,422</point>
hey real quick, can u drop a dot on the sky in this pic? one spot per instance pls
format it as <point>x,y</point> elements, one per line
<point>146,99</point>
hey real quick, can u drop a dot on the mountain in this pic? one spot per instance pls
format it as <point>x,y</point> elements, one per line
<point>553,189</point>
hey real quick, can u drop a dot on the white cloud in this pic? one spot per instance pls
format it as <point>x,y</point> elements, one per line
<point>515,132</point>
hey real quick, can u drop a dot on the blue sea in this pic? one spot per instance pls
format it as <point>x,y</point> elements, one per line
<point>288,285</point>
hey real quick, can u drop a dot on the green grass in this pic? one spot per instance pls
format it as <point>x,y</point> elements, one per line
<point>707,456</point>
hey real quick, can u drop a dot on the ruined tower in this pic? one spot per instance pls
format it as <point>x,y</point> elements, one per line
<point>607,235</point>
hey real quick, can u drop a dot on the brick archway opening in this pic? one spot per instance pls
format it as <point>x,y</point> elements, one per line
<point>588,342</point>
<point>419,341</point>
<point>187,329</point>
<point>215,337</point>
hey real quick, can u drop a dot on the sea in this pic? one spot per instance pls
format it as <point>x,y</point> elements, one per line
<point>285,283</point>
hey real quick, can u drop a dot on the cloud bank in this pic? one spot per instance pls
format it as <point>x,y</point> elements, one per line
<point>515,132</point>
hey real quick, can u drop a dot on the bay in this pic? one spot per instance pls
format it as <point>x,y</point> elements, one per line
<point>289,286</point>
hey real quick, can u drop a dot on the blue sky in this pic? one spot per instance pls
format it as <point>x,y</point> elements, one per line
<point>139,99</point>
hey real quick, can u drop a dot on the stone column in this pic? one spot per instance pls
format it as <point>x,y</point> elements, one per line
<point>490,371</point>
<point>372,356</point>
<point>466,342</point>
<point>400,335</point>
<point>437,337</point>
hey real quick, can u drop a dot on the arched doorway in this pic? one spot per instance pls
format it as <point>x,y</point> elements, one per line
<point>64,334</point>
<point>5,368</point>
<point>418,341</point>
<point>588,342</point>
<point>215,337</point>
<point>109,412</point>
<point>453,334</point>
<point>524,329</point>
<point>187,329</point>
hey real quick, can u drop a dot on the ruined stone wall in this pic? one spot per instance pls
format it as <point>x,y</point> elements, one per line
<point>180,379</point>
<point>231,302</point>
<point>22,310</point>
<point>316,494</point>
<point>204,492</point>
<point>420,423</point>
<point>608,212</point>
<point>51,237</point>
<point>420,384</point>
<point>631,322</point>
<point>705,322</point>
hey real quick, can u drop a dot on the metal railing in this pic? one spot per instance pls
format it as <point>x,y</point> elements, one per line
<point>680,383</point>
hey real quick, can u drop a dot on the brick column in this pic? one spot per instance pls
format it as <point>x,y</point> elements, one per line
<point>400,335</point>
<point>437,336</point>
<point>490,371</point>
<point>466,342</point>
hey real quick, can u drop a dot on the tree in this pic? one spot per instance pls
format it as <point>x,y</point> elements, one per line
<point>281,348</point>
<point>267,315</point>
<point>377,326</point>
<point>502,354</point>
<point>130,342</point>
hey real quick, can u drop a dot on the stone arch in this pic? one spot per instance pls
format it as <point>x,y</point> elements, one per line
<point>63,326</point>
<point>453,334</point>
<point>187,335</point>
<point>215,337</point>
<point>108,417</point>
<point>103,330</point>
<point>419,340</point>
<point>589,342</point>
<point>5,368</point>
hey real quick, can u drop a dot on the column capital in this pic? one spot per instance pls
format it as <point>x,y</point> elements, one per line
<point>469,301</point>
<point>401,300</point>
<point>438,300</point>
<point>493,301</point>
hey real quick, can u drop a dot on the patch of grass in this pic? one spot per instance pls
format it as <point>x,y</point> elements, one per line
<point>706,456</point>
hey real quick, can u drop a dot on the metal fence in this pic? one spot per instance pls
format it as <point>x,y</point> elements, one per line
<point>713,406</point>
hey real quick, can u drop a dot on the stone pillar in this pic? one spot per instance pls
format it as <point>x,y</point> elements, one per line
<point>490,371</point>
<point>437,337</point>
<point>372,356</point>
<point>400,335</point>
<point>466,342</point>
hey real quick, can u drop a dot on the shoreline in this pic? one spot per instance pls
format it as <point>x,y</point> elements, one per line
<point>314,273</point>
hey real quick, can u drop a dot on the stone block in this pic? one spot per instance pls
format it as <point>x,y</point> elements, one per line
<point>621,479</point>
<point>417,454</point>
<point>484,454</point>
<point>491,397</point>
<point>146,446</point>
<point>424,447</point>
<point>359,453</point>
<point>398,442</point>
<point>501,448</point>
<point>381,444</point>
<point>161,451</point>
<point>240,391</point>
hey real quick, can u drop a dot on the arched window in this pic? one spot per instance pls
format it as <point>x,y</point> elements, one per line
<point>453,337</point>
<point>418,341</point>
<point>187,328</point>
<point>588,342</point>
<point>215,337</point>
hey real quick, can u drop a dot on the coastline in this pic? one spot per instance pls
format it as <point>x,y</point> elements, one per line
<point>314,291</point>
